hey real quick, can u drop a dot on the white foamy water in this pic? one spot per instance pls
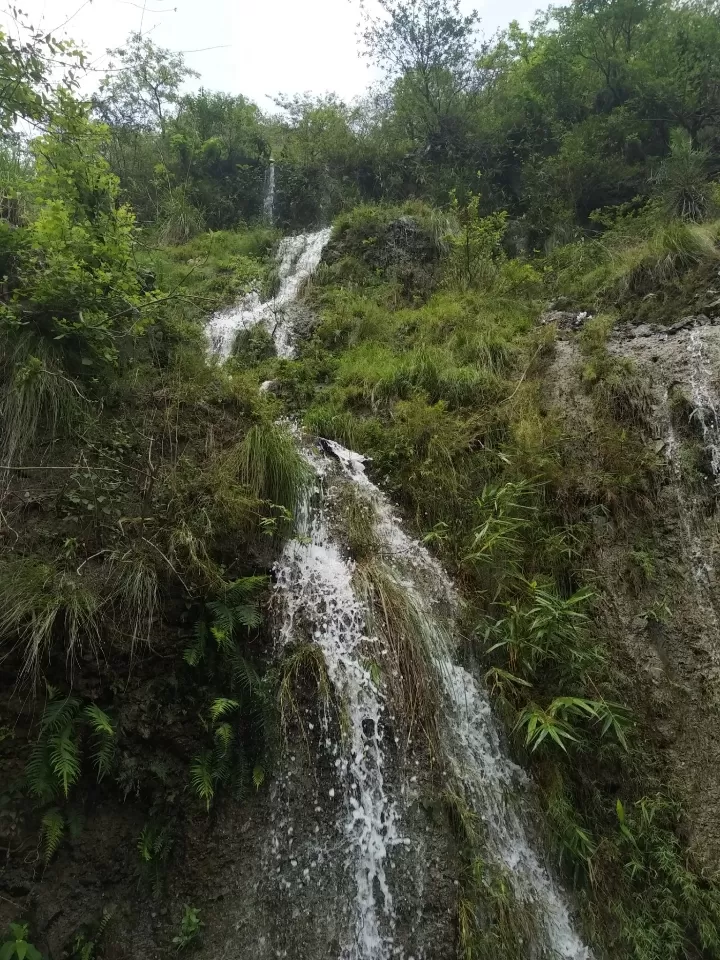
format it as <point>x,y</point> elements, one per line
<point>704,399</point>
<point>472,742</point>
<point>318,603</point>
<point>314,587</point>
<point>269,199</point>
<point>298,258</point>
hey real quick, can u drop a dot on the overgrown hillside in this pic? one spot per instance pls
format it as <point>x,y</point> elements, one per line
<point>528,357</point>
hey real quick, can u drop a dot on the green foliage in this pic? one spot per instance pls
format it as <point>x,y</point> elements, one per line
<point>476,249</point>
<point>492,922</point>
<point>52,829</point>
<point>682,180</point>
<point>253,345</point>
<point>559,721</point>
<point>304,662</point>
<point>88,939</point>
<point>190,929</point>
<point>241,724</point>
<point>271,466</point>
<point>38,600</point>
<point>18,945</point>
<point>543,627</point>
<point>154,845</point>
<point>236,608</point>
<point>414,646</point>
<point>55,763</point>
<point>672,911</point>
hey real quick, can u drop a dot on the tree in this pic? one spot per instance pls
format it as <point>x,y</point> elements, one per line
<point>143,92</point>
<point>431,47</point>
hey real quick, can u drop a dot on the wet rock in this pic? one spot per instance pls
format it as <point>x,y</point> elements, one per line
<point>565,319</point>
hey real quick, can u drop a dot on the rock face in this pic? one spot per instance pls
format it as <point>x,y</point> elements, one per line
<point>664,624</point>
<point>402,248</point>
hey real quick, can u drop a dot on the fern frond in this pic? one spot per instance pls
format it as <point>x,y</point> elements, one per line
<point>65,756</point>
<point>39,775</point>
<point>201,778</point>
<point>58,713</point>
<point>222,764</point>
<point>247,615</point>
<point>104,731</point>
<point>52,828</point>
<point>221,707</point>
<point>244,674</point>
<point>99,721</point>
<point>222,618</point>
<point>224,735</point>
<point>103,756</point>
<point>258,776</point>
<point>194,654</point>
<point>244,589</point>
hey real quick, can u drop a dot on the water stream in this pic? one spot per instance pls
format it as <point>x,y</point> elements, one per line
<point>298,258</point>
<point>269,199</point>
<point>704,400</point>
<point>317,600</point>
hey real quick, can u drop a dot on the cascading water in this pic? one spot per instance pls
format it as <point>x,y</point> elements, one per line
<point>471,740</point>
<point>704,400</point>
<point>269,199</point>
<point>318,602</point>
<point>314,583</point>
<point>298,258</point>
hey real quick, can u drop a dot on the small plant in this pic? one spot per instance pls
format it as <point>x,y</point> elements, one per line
<point>559,721</point>
<point>304,662</point>
<point>682,182</point>
<point>190,929</point>
<point>18,946</point>
<point>52,830</point>
<point>87,940</point>
<point>545,627</point>
<point>55,762</point>
<point>234,609</point>
<point>39,601</point>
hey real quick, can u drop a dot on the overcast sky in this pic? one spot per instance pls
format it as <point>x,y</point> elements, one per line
<point>258,47</point>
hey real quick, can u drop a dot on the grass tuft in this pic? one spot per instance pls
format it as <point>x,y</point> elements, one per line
<point>413,642</point>
<point>271,466</point>
<point>39,601</point>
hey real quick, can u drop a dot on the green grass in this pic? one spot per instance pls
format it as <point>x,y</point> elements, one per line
<point>271,466</point>
<point>37,599</point>
<point>211,270</point>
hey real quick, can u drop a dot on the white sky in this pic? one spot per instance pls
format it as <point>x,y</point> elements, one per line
<point>260,47</point>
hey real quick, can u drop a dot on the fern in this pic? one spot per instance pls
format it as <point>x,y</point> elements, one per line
<point>146,844</point>
<point>258,776</point>
<point>52,828</point>
<point>244,674</point>
<point>65,756</point>
<point>247,615</point>
<point>224,736</point>
<point>221,707</point>
<point>223,621</point>
<point>59,713</point>
<point>201,778</point>
<point>104,732</point>
<point>99,721</point>
<point>194,655</point>
<point>38,773</point>
<point>247,588</point>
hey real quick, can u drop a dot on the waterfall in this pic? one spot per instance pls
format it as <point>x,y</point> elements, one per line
<point>298,258</point>
<point>314,583</point>
<point>269,199</point>
<point>318,601</point>
<point>471,741</point>
<point>704,400</point>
